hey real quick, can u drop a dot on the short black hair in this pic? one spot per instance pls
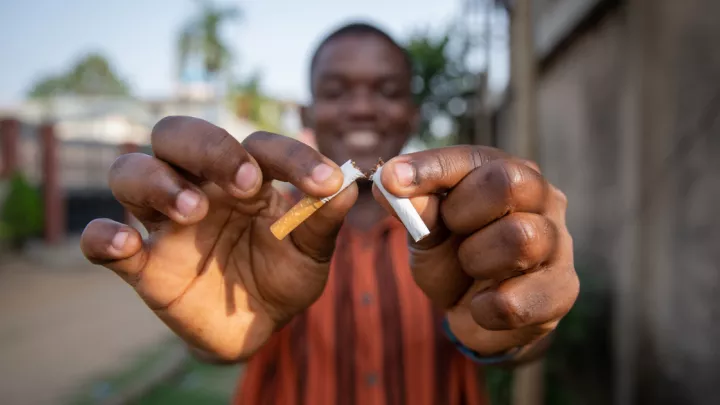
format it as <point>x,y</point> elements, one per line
<point>359,29</point>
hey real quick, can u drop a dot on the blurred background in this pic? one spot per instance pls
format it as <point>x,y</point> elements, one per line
<point>618,100</point>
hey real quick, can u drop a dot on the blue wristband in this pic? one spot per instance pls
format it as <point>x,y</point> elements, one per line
<point>474,356</point>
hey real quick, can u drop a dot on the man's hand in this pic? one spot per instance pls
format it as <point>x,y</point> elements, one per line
<point>211,269</point>
<point>499,256</point>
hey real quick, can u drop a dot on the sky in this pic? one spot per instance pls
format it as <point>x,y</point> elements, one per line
<point>275,38</point>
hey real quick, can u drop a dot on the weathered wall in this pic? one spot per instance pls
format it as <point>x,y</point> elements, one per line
<point>578,134</point>
<point>691,346</point>
<point>629,128</point>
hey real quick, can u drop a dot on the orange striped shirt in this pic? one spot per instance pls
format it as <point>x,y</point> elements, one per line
<point>372,338</point>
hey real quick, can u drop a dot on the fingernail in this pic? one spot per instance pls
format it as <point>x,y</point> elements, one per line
<point>118,241</point>
<point>246,177</point>
<point>404,173</point>
<point>186,202</point>
<point>321,173</point>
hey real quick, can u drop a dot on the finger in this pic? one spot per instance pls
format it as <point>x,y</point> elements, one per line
<point>491,192</point>
<point>530,164</point>
<point>531,299</point>
<point>438,273</point>
<point>286,159</point>
<point>435,170</point>
<point>152,190</point>
<point>512,245</point>
<point>316,236</point>
<point>492,342</point>
<point>113,245</point>
<point>206,153</point>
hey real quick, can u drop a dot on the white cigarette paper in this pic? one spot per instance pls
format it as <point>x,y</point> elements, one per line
<point>308,205</point>
<point>350,175</point>
<point>404,209</point>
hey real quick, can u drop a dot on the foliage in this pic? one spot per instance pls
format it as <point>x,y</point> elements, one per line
<point>197,383</point>
<point>190,382</point>
<point>91,75</point>
<point>441,79</point>
<point>22,212</point>
<point>251,103</point>
<point>200,38</point>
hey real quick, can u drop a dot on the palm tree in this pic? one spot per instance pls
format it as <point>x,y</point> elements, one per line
<point>200,39</point>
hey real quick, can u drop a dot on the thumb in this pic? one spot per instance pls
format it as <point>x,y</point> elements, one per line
<point>316,236</point>
<point>116,246</point>
<point>434,262</point>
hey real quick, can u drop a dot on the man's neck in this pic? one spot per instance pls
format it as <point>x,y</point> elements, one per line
<point>366,212</point>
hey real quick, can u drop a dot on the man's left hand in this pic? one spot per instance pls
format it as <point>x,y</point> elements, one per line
<point>499,256</point>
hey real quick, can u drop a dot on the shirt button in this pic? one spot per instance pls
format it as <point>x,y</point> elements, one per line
<point>366,299</point>
<point>371,379</point>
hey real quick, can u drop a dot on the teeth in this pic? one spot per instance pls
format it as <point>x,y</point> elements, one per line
<point>362,139</point>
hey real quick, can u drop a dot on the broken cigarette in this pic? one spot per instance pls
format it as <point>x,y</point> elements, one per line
<point>308,205</point>
<point>404,209</point>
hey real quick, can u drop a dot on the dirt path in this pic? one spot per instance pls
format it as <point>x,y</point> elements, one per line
<point>64,322</point>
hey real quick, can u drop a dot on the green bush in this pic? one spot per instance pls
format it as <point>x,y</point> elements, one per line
<point>21,217</point>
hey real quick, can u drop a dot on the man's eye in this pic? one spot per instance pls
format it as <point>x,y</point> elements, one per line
<point>331,92</point>
<point>390,90</point>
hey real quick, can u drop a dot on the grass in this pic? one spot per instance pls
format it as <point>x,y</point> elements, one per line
<point>198,383</point>
<point>108,386</point>
<point>193,383</point>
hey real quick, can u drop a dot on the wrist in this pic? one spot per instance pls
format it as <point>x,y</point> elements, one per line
<point>502,356</point>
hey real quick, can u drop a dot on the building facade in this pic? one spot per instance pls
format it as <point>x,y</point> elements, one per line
<point>627,108</point>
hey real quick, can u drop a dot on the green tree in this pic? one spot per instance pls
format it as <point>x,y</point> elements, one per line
<point>200,38</point>
<point>252,104</point>
<point>442,82</point>
<point>89,76</point>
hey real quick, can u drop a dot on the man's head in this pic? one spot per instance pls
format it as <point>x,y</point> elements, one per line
<point>362,106</point>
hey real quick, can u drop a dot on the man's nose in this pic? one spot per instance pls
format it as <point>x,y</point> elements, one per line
<point>361,105</point>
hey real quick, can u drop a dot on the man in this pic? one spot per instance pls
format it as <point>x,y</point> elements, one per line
<point>341,311</point>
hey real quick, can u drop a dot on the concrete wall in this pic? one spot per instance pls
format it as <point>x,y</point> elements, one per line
<point>629,128</point>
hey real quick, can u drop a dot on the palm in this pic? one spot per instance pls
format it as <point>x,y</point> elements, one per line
<point>230,270</point>
<point>201,39</point>
<point>211,269</point>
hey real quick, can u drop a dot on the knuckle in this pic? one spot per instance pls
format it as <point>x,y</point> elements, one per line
<point>479,156</point>
<point>508,310</point>
<point>165,125</point>
<point>255,140</point>
<point>120,163</point>
<point>222,152</point>
<point>156,177</point>
<point>123,166</point>
<point>505,177</point>
<point>524,237</point>
<point>449,165</point>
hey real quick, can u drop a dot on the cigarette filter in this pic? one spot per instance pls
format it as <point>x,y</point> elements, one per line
<point>404,209</point>
<point>308,205</point>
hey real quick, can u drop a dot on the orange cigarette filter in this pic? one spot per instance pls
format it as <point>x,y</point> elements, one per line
<point>309,205</point>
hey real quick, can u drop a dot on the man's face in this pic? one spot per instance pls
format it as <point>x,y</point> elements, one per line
<point>362,103</point>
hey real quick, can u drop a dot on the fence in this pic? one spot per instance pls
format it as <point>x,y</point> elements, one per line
<point>73,175</point>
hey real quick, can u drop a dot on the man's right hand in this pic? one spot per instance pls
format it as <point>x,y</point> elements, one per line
<point>210,268</point>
